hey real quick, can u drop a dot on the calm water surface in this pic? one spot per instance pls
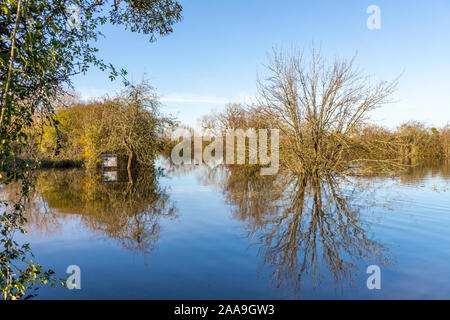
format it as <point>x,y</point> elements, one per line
<point>226,233</point>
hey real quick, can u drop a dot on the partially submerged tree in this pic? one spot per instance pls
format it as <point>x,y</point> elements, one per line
<point>133,125</point>
<point>129,124</point>
<point>319,107</point>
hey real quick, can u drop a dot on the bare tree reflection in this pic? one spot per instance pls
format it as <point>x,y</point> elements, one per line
<point>250,195</point>
<point>307,229</point>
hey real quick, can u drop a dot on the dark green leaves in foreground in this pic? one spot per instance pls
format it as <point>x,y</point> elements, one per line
<point>42,45</point>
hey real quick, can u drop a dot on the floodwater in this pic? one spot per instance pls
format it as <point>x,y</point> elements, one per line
<point>192,232</point>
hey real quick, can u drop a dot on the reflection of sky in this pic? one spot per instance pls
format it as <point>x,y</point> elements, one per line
<point>204,254</point>
<point>216,52</point>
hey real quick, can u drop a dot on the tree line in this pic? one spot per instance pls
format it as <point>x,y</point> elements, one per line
<point>412,141</point>
<point>322,109</point>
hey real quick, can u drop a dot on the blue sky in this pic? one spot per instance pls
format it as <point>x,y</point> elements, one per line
<point>219,48</point>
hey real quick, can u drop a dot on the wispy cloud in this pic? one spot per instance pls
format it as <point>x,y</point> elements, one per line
<point>92,93</point>
<point>194,99</point>
<point>203,99</point>
<point>87,94</point>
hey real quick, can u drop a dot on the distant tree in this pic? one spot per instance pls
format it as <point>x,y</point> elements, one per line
<point>445,140</point>
<point>419,141</point>
<point>234,116</point>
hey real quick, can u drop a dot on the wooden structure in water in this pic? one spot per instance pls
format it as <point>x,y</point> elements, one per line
<point>109,160</point>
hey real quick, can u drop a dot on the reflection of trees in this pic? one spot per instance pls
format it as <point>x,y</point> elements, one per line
<point>127,210</point>
<point>316,232</point>
<point>250,195</point>
<point>306,229</point>
<point>417,173</point>
<point>176,170</point>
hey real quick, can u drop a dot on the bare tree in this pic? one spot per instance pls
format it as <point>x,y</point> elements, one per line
<point>320,109</point>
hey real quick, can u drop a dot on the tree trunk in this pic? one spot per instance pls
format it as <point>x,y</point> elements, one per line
<point>130,161</point>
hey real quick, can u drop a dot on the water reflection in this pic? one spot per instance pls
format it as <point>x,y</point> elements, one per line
<point>128,210</point>
<point>307,230</point>
<point>309,233</point>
